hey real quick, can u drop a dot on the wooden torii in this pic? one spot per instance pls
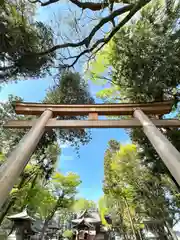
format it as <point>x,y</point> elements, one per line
<point>18,159</point>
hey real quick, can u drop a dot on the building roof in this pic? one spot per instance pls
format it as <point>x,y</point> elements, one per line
<point>88,217</point>
<point>22,215</point>
<point>81,214</point>
<point>95,215</point>
<point>81,222</point>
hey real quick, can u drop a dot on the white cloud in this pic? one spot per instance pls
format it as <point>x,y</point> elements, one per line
<point>3,101</point>
<point>127,142</point>
<point>66,157</point>
<point>62,145</point>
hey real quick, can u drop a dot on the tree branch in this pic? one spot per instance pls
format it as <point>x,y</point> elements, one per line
<point>132,9</point>
<point>90,5</point>
<point>84,5</point>
<point>6,67</point>
<point>108,19</point>
<point>87,40</point>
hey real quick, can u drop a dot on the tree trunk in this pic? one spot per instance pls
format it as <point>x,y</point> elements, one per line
<point>49,217</point>
<point>173,235</point>
<point>130,218</point>
<point>124,234</point>
<point>162,234</point>
<point>6,210</point>
<point>140,235</point>
<point>42,237</point>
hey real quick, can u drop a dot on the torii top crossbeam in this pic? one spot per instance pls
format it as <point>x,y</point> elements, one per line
<point>158,108</point>
<point>93,111</point>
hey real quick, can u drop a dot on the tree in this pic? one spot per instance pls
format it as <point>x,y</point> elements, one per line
<point>70,88</point>
<point>103,210</point>
<point>140,51</point>
<point>116,187</point>
<point>68,234</point>
<point>21,38</point>
<point>136,194</point>
<point>82,204</point>
<point>64,189</point>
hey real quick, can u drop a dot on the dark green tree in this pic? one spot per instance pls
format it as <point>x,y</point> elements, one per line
<point>145,69</point>
<point>21,37</point>
<point>70,88</point>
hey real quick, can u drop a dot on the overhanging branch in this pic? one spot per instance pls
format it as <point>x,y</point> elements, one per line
<point>131,8</point>
<point>88,39</point>
<point>84,5</point>
<point>108,19</point>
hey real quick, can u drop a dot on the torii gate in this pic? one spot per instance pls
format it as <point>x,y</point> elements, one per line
<point>18,159</point>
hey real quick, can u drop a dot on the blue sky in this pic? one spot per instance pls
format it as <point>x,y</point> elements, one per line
<point>90,163</point>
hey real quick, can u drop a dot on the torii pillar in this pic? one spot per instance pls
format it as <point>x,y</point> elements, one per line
<point>168,153</point>
<point>18,159</point>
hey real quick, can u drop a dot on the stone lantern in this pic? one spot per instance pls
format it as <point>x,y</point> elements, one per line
<point>22,225</point>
